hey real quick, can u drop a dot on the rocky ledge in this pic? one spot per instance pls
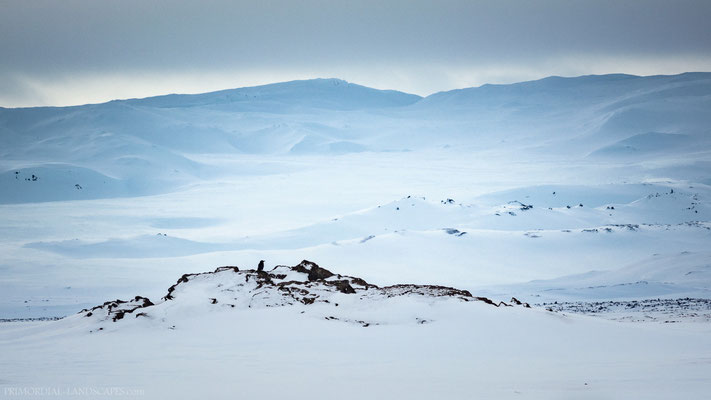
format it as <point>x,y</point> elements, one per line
<point>303,284</point>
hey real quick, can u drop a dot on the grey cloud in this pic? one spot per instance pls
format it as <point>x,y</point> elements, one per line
<point>46,38</point>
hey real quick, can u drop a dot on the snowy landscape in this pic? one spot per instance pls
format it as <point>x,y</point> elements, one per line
<point>548,239</point>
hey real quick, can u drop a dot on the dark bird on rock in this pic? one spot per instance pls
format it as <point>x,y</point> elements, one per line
<point>260,267</point>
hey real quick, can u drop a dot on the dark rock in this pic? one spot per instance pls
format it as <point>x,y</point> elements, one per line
<point>486,300</point>
<point>359,281</point>
<point>344,287</point>
<point>317,273</point>
<point>264,278</point>
<point>519,303</point>
<point>304,266</point>
<point>145,302</point>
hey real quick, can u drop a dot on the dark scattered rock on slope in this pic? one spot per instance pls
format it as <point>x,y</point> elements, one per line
<point>647,310</point>
<point>519,302</point>
<point>117,309</point>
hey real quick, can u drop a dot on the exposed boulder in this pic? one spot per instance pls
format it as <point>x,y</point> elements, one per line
<point>344,287</point>
<point>317,273</point>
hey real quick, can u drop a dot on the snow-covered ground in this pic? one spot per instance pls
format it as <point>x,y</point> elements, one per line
<point>587,196</point>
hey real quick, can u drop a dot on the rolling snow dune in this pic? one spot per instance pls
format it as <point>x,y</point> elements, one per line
<point>676,275</point>
<point>138,247</point>
<point>646,144</point>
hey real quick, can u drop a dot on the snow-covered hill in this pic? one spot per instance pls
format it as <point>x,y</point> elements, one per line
<point>328,94</point>
<point>147,146</point>
<point>589,114</point>
<point>137,147</point>
<point>306,288</point>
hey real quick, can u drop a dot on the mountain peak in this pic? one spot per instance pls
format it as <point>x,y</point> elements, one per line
<point>319,93</point>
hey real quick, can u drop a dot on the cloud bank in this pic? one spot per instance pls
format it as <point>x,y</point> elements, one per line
<point>79,51</point>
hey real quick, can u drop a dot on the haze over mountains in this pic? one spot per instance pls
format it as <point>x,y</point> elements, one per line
<point>148,146</point>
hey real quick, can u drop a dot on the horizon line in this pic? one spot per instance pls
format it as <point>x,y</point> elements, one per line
<point>199,93</point>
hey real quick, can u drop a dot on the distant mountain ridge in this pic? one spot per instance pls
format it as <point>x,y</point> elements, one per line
<point>325,93</point>
<point>335,94</point>
<point>330,89</point>
<point>576,89</point>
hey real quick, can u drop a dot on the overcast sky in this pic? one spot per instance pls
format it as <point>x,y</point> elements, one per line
<point>62,52</point>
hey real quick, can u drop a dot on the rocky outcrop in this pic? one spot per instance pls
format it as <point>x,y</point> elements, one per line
<point>519,302</point>
<point>117,309</point>
<point>317,273</point>
<point>305,284</point>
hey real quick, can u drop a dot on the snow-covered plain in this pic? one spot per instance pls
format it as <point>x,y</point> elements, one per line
<point>569,190</point>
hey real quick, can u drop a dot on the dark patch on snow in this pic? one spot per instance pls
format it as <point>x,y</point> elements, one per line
<point>365,239</point>
<point>455,232</point>
<point>522,206</point>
